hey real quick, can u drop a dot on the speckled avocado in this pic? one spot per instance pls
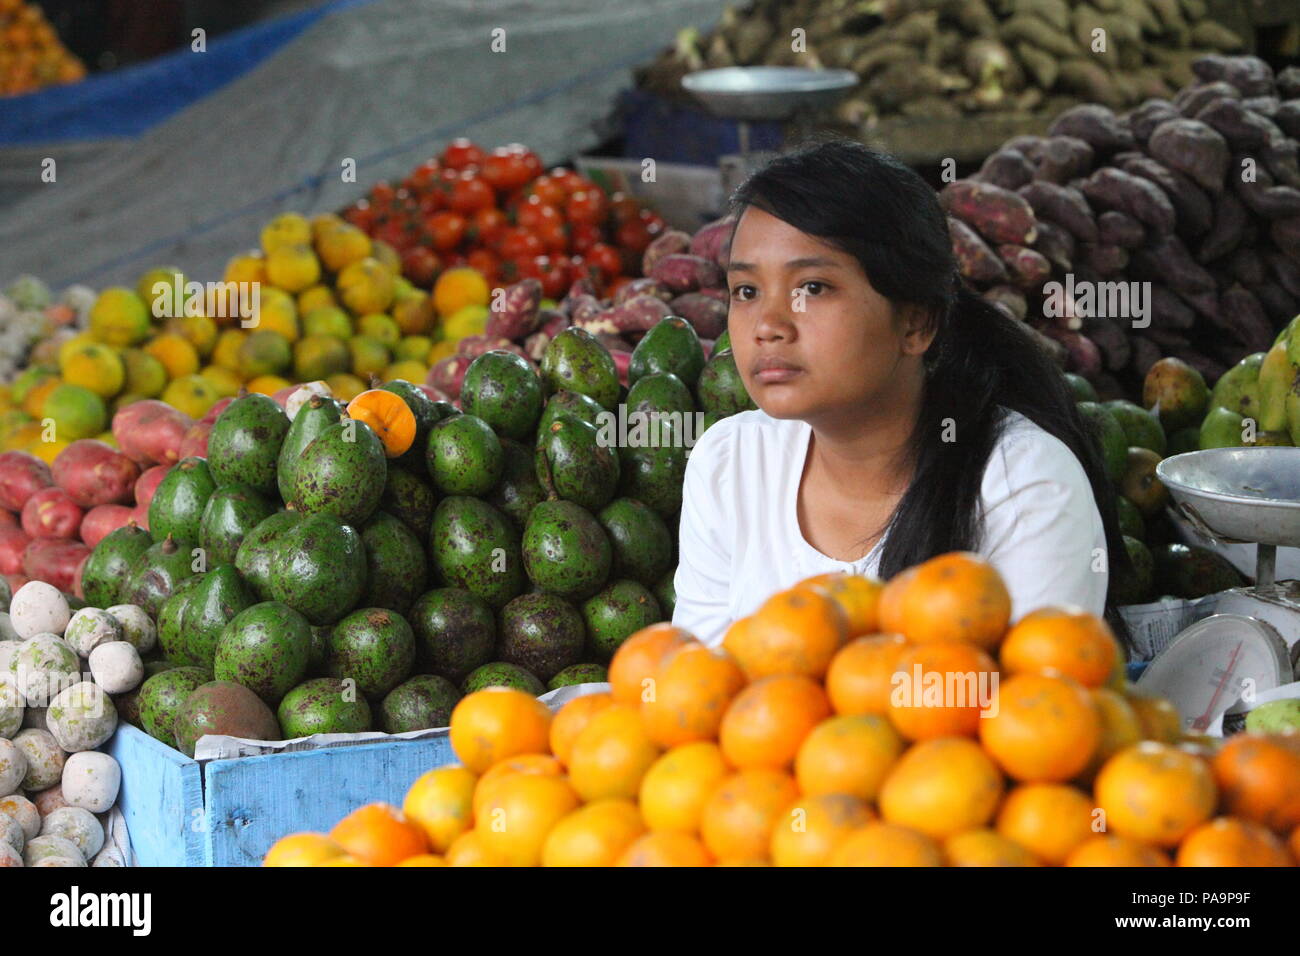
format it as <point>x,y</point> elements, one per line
<point>501,674</point>
<point>616,613</point>
<point>396,568</point>
<point>323,705</point>
<point>542,633</point>
<point>254,555</point>
<point>163,695</point>
<point>579,674</point>
<point>642,543</point>
<point>216,599</point>
<point>230,516</point>
<point>341,473</point>
<point>464,456</point>
<point>110,563</point>
<point>475,547</point>
<point>519,490</point>
<point>156,574</point>
<point>318,568</point>
<point>427,413</point>
<point>265,648</point>
<point>571,463</point>
<point>455,632</point>
<point>423,702</point>
<point>565,550</point>
<point>502,389</point>
<point>567,404</point>
<point>670,346</point>
<point>223,707</point>
<point>652,473</point>
<point>244,444</point>
<point>665,592</point>
<point>576,361</point>
<point>312,418</point>
<point>409,497</point>
<point>177,505</point>
<point>374,647</point>
<point>720,389</point>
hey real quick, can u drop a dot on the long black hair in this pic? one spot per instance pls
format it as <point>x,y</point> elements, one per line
<point>886,216</point>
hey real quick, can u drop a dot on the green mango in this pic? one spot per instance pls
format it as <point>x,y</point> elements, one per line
<point>502,389</point>
<point>652,472</point>
<point>1131,522</point>
<point>253,559</point>
<point>1176,392</point>
<point>519,489</point>
<point>219,596</point>
<point>665,592</point>
<point>244,444</point>
<point>579,674</point>
<point>1135,587</point>
<point>265,648</point>
<point>573,404</point>
<point>1183,440</point>
<point>373,646</point>
<point>409,497</point>
<point>231,514</point>
<point>318,568</point>
<point>474,546</point>
<point>565,550</point>
<point>573,463</point>
<point>427,413</point>
<point>110,562</point>
<point>341,473</point>
<point>1277,375</point>
<point>1081,387</point>
<point>312,419</point>
<point>423,702</point>
<point>455,632</point>
<point>1238,388</point>
<point>642,544</point>
<point>541,633</point>
<point>1110,434</point>
<point>1141,428</point>
<point>671,346</point>
<point>464,456</point>
<point>1222,428</point>
<point>720,389</point>
<point>503,674</point>
<point>155,575</point>
<point>576,361</point>
<point>615,613</point>
<point>1190,571</point>
<point>396,568</point>
<point>161,697</point>
<point>323,705</point>
<point>176,509</point>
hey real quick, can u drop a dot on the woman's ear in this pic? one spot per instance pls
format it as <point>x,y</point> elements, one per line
<point>919,327</point>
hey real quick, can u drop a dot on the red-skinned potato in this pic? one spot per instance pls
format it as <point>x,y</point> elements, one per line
<point>16,581</point>
<point>149,432</point>
<point>140,515</point>
<point>195,442</point>
<point>93,473</point>
<point>282,396</point>
<point>21,476</point>
<point>76,575</point>
<point>51,513</point>
<point>13,542</point>
<point>437,394</point>
<point>148,483</point>
<point>102,519</point>
<point>54,560</point>
<point>8,519</point>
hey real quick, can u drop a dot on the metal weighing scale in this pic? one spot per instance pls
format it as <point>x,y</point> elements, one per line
<point>749,94</point>
<point>1234,496</point>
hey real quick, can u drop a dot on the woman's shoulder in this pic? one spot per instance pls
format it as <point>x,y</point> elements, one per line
<point>1026,452</point>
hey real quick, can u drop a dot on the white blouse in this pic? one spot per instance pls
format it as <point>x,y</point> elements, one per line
<point>740,540</point>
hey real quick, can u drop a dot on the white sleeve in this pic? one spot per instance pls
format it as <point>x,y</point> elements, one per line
<point>703,579</point>
<point>1042,530</point>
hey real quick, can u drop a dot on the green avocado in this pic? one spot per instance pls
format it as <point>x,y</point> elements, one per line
<point>254,556</point>
<point>652,471</point>
<point>177,505</point>
<point>576,361</point>
<point>427,413</point>
<point>642,543</point>
<point>464,456</point>
<point>163,695</point>
<point>323,705</point>
<point>502,674</point>
<point>455,632</point>
<point>156,574</point>
<point>171,634</point>
<point>502,389</point>
<point>572,463</point>
<point>423,702</point>
<point>1110,436</point>
<point>215,600</point>
<point>542,633</point>
<point>565,550</point>
<point>318,568</point>
<point>665,592</point>
<point>1134,587</point>
<point>342,473</point>
<point>565,403</point>
<point>372,646</point>
<point>579,674</point>
<point>672,347</point>
<point>1081,387</point>
<point>244,444</point>
<point>396,568</point>
<point>265,648</point>
<point>409,497</point>
<point>110,563</point>
<point>519,489</point>
<point>616,613</point>
<point>230,516</point>
<point>475,547</point>
<point>1141,428</point>
<point>661,392</point>
<point>720,389</point>
<point>313,418</point>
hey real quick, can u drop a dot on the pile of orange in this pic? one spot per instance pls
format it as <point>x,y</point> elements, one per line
<point>31,55</point>
<point>845,723</point>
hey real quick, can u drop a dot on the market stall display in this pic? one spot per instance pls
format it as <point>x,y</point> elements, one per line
<point>792,745</point>
<point>31,56</point>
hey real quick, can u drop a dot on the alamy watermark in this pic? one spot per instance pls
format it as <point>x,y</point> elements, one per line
<point>1098,300</point>
<point>216,300</point>
<point>654,429</point>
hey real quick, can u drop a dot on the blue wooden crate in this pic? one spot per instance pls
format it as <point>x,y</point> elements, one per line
<point>180,812</point>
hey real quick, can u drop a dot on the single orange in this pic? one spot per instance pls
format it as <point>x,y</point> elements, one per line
<point>441,802</point>
<point>739,816</point>
<point>424,859</point>
<point>984,847</point>
<point>1109,850</point>
<point>812,827</point>
<point>665,848</point>
<point>388,416</point>
<point>1159,719</point>
<point>1047,819</point>
<point>468,849</point>
<point>595,834</point>
<point>860,678</point>
<point>848,755</point>
<point>1155,793</point>
<point>1041,729</point>
<point>693,686</point>
<point>939,690</point>
<point>1227,841</point>
<point>543,765</point>
<point>889,610</point>
<point>956,597</point>
<point>941,787</point>
<point>637,659</point>
<point>857,595</point>
<point>1058,640</point>
<point>796,631</point>
<point>678,784</point>
<point>570,720</point>
<point>611,755</point>
<point>496,723</point>
<point>886,844</point>
<point>379,834</point>
<point>1260,779</point>
<point>519,814</point>
<point>769,719</point>
<point>302,849</point>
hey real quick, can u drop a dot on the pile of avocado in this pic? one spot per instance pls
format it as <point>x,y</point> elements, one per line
<point>303,582</point>
<point>1133,442</point>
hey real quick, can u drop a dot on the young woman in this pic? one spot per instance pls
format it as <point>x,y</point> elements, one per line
<point>899,415</point>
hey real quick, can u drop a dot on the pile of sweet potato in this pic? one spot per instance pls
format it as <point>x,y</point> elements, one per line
<point>1197,195</point>
<point>682,275</point>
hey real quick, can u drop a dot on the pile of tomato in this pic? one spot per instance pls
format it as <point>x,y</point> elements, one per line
<point>503,214</point>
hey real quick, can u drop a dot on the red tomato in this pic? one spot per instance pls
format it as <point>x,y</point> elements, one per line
<point>633,235</point>
<point>554,235</point>
<point>454,260</point>
<point>605,258</point>
<point>392,232</point>
<point>462,153</point>
<point>570,180</point>
<point>486,225</point>
<point>554,274</point>
<point>623,207</point>
<point>506,168</point>
<point>420,265</point>
<point>470,194</point>
<point>361,214</point>
<point>447,228</point>
<point>423,176</point>
<point>517,243</point>
<point>532,213</point>
<point>549,190</point>
<point>583,235</point>
<point>382,193</point>
<point>486,262</point>
<point>586,205</point>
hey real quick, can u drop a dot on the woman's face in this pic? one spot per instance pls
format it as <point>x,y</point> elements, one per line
<point>810,335</point>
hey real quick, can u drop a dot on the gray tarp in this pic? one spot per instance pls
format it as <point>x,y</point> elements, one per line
<point>386,83</point>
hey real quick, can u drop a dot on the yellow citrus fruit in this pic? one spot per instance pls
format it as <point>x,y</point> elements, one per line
<point>267,384</point>
<point>678,784</point>
<point>414,314</point>
<point>369,356</point>
<point>191,394</point>
<point>277,312</point>
<point>327,320</point>
<point>387,256</point>
<point>325,221</point>
<point>318,296</point>
<point>365,286</point>
<point>162,301</point>
<point>302,849</point>
<point>47,451</point>
<point>286,229</point>
<point>520,813</point>
<point>175,352</point>
<point>441,802</point>
<point>119,318</point>
<point>471,320</point>
<point>199,330</point>
<point>440,351</point>
<point>411,371</point>
<point>317,357</point>
<point>77,412</point>
<point>611,754</point>
<point>226,353</point>
<point>70,345</point>
<point>380,327</point>
<point>223,380</point>
<point>264,353</point>
<point>813,827</point>
<point>95,366</point>
<point>413,348</point>
<point>345,386</point>
<point>423,859</point>
<point>247,267</point>
<point>341,245</point>
<point>33,402</point>
<point>293,267</point>
<point>593,835</point>
<point>470,850</point>
<point>459,287</point>
<point>498,722</point>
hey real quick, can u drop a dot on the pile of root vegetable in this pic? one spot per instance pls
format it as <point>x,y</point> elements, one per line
<point>947,58</point>
<point>1198,195</point>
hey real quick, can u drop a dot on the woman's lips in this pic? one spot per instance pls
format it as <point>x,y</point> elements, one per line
<point>771,371</point>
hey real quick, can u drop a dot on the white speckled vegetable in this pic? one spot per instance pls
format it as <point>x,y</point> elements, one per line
<point>91,627</point>
<point>116,667</point>
<point>13,767</point>
<point>11,705</point>
<point>137,626</point>
<point>9,857</point>
<point>11,833</point>
<point>91,781</point>
<point>44,758</point>
<point>82,717</point>
<point>24,811</point>
<point>38,608</point>
<point>44,665</point>
<point>51,845</point>
<point>78,826</point>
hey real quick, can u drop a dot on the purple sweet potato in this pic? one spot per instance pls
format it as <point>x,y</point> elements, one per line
<point>1115,228</point>
<point>642,286</point>
<point>713,241</point>
<point>1193,209</point>
<point>1243,129</point>
<point>671,242</point>
<point>1230,218</point>
<point>1286,271</point>
<point>583,307</point>
<point>195,442</point>
<point>1007,168</point>
<point>1285,234</point>
<point>1056,243</point>
<point>148,483</point>
<point>1103,258</point>
<point>1277,302</point>
<point>1027,145</point>
<point>1084,356</point>
<point>997,214</point>
<point>613,343</point>
<point>1287,118</point>
<point>1063,158</point>
<point>447,374</point>
<point>1011,299</point>
<point>1063,205</point>
<point>1269,201</point>
<point>1241,316</point>
<point>1026,268</point>
<point>1265,106</point>
<point>1281,156</point>
<point>682,272</point>
<point>552,322</point>
<point>1249,74</point>
<point>580,288</point>
<point>535,345</point>
<point>1288,83</point>
<point>1247,267</point>
<point>1190,100</point>
<point>975,260</point>
<point>705,313</point>
<point>1143,119</point>
<point>1112,340</point>
<point>638,314</point>
<point>1194,148</point>
<point>1166,260</point>
<point>517,316</point>
<point>1168,311</point>
<point>22,474</point>
<point>1142,199</point>
<point>1096,125</point>
<point>13,542</point>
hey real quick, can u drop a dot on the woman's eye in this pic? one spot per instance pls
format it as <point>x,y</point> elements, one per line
<point>814,287</point>
<point>743,293</point>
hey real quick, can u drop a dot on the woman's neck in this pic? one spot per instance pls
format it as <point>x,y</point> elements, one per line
<point>867,448</point>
